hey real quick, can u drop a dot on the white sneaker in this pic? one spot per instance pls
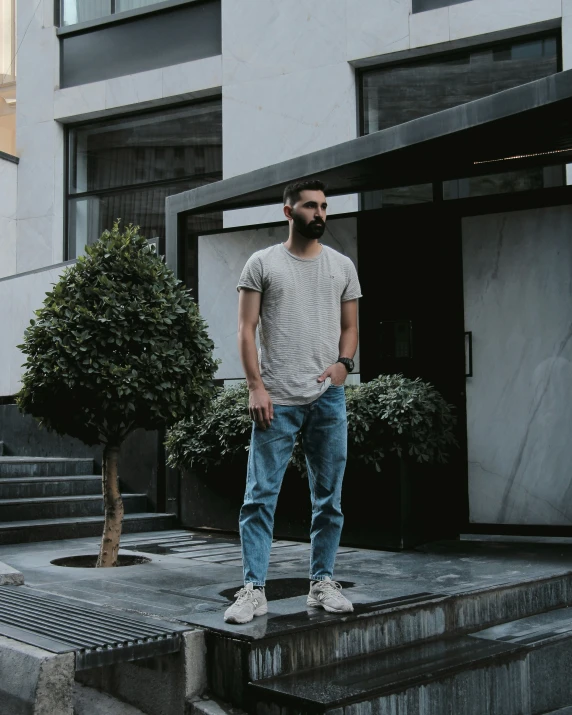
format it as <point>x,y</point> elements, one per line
<point>326,594</point>
<point>250,602</point>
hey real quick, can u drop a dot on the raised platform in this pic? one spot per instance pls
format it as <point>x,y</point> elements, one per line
<point>481,623</point>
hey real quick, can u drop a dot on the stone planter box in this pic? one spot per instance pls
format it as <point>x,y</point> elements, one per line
<point>403,506</point>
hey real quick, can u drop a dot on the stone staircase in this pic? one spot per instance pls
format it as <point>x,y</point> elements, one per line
<point>506,650</point>
<point>55,498</point>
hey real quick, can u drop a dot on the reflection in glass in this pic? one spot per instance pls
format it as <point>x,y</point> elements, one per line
<point>126,168</point>
<point>122,5</point>
<point>173,144</point>
<point>91,215</point>
<point>74,11</point>
<point>398,94</point>
<point>398,196</point>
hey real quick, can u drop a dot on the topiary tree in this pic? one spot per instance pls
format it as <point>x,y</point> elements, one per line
<point>118,344</point>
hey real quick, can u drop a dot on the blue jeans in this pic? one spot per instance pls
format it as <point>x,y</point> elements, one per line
<point>323,427</point>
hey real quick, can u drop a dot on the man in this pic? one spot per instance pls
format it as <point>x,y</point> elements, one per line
<point>302,296</point>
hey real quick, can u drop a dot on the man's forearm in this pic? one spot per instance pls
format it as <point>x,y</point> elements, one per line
<point>249,358</point>
<point>348,342</point>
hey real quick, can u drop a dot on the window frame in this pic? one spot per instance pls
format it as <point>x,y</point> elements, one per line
<point>68,196</point>
<point>115,17</point>
<point>536,31</point>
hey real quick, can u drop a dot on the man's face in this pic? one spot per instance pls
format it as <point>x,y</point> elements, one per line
<point>309,214</point>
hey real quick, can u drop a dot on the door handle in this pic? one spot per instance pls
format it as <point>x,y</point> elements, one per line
<point>469,353</point>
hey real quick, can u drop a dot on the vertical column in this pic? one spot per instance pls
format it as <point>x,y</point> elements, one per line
<point>39,139</point>
<point>567,54</point>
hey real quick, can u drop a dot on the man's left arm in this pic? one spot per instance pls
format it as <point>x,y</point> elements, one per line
<point>348,343</point>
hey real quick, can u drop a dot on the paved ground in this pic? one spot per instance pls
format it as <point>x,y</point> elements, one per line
<point>192,576</point>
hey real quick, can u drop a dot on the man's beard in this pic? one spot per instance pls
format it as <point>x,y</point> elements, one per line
<point>314,229</point>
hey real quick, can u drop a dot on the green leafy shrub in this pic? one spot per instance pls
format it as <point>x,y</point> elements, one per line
<point>395,414</point>
<point>388,414</point>
<point>118,345</point>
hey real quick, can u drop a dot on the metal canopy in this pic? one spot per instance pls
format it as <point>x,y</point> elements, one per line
<point>527,125</point>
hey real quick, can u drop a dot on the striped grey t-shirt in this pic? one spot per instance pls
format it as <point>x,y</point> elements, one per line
<point>300,317</point>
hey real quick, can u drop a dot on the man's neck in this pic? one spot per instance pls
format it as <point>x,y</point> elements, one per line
<point>303,247</point>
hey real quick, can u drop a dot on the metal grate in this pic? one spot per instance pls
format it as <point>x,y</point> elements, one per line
<point>98,637</point>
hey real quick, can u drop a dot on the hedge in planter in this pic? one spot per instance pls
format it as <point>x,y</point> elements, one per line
<point>118,345</point>
<point>388,414</point>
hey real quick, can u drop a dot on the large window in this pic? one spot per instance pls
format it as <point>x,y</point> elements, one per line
<point>74,11</point>
<point>125,168</point>
<point>399,93</point>
<point>7,76</point>
<point>424,5</point>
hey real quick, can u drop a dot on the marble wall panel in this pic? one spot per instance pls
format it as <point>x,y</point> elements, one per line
<point>221,260</point>
<point>270,120</point>
<point>271,38</point>
<point>518,303</point>
<point>7,249</point>
<point>190,77</point>
<point>79,101</point>
<point>8,188</point>
<point>20,296</point>
<point>38,63</point>
<point>480,16</point>
<point>375,27</point>
<point>429,28</point>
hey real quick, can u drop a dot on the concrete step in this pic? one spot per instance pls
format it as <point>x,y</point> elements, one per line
<point>44,467</point>
<point>1,448</point>
<point>19,532</point>
<point>89,701</point>
<point>30,487</point>
<point>283,643</point>
<point>62,507</point>
<point>518,667</point>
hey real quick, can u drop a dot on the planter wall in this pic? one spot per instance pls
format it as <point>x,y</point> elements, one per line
<point>403,506</point>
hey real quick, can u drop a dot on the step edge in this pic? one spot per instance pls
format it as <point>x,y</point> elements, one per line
<point>53,478</point>
<point>62,521</point>
<point>437,673</point>
<point>29,501</point>
<point>14,459</point>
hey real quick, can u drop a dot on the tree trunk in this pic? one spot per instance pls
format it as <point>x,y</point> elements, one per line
<point>113,505</point>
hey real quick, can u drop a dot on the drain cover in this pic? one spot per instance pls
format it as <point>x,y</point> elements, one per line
<point>98,637</point>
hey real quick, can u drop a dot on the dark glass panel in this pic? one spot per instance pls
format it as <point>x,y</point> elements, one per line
<point>399,196</point>
<point>398,94</point>
<point>144,42</point>
<point>504,183</point>
<point>176,143</point>
<point>423,5</point>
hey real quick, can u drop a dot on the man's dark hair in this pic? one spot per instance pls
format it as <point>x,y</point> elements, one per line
<point>292,191</point>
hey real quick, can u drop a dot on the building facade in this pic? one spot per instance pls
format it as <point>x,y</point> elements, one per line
<point>122,103</point>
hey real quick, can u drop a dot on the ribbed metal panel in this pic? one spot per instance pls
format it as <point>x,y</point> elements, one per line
<point>98,637</point>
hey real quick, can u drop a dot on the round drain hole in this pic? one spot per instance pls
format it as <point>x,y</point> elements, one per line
<point>88,561</point>
<point>279,588</point>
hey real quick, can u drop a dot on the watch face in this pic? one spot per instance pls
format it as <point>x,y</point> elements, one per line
<point>348,363</point>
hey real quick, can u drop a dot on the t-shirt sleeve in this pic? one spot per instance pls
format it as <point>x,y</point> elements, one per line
<point>353,288</point>
<point>252,275</point>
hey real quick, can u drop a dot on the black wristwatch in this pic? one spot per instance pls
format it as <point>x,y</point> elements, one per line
<point>348,363</point>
